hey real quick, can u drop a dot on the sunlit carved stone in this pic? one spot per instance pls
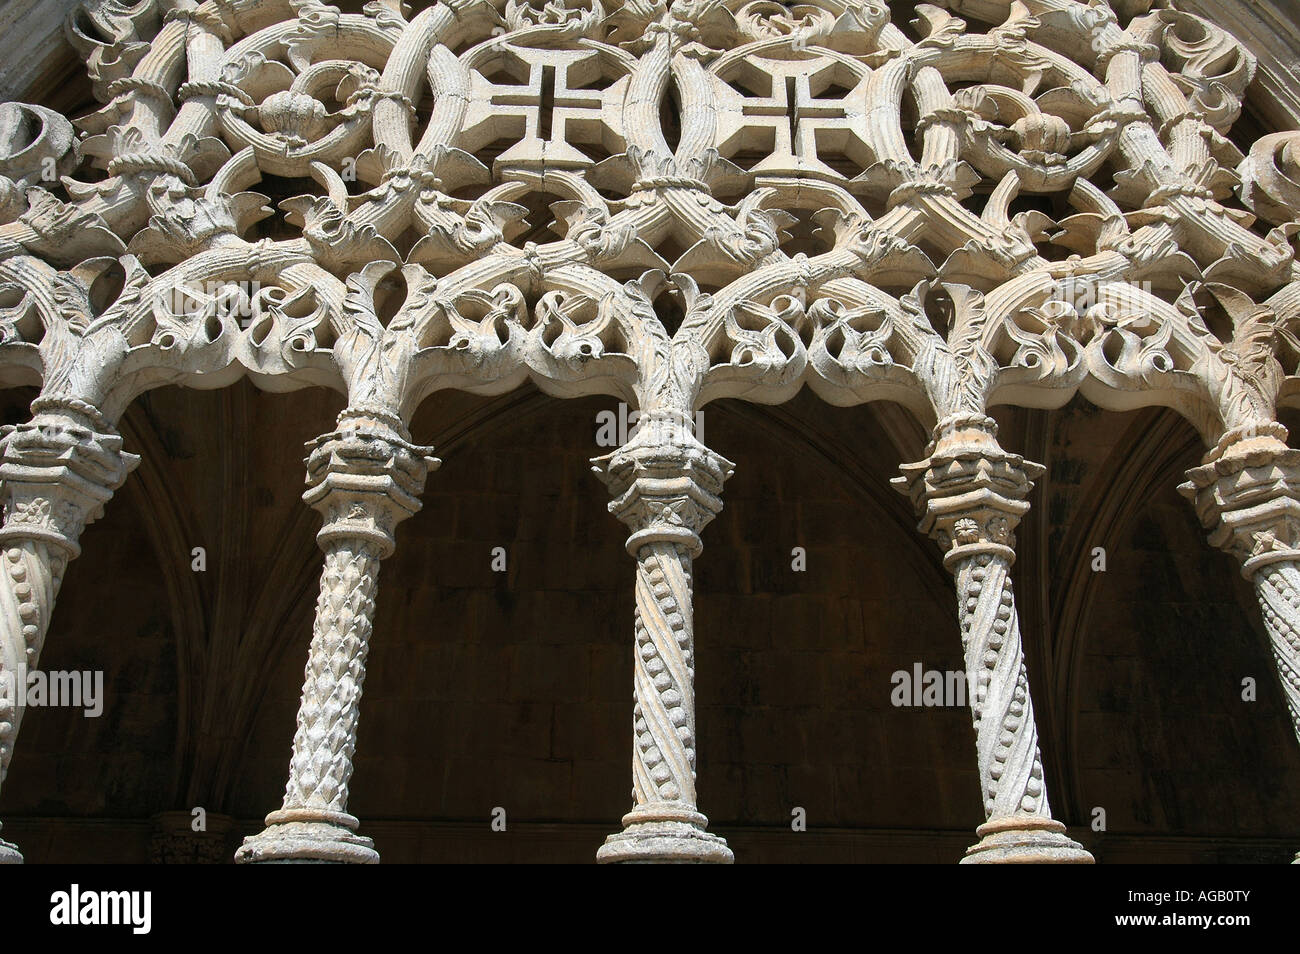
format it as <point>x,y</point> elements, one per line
<point>364,479</point>
<point>56,474</point>
<point>666,488</point>
<point>668,203</point>
<point>1248,496</point>
<point>971,496</point>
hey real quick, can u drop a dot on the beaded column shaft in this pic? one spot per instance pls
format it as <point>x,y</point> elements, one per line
<point>56,473</point>
<point>1247,494</point>
<point>666,488</point>
<point>971,496</point>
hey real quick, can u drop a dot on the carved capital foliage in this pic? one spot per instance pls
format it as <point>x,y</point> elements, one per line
<point>969,492</point>
<point>666,485</point>
<point>996,203</point>
<point>365,478</point>
<point>57,471</point>
<point>1247,496</point>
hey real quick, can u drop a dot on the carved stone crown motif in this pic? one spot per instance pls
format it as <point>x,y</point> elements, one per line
<point>666,484</point>
<point>57,471</point>
<point>970,493</point>
<point>1248,497</point>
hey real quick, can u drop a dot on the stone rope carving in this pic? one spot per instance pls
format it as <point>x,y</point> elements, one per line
<point>665,670</point>
<point>971,496</point>
<point>666,487</point>
<point>983,202</point>
<point>1279,598</point>
<point>1007,740</point>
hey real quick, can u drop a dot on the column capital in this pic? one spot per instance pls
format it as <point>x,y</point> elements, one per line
<point>968,491</point>
<point>667,486</point>
<point>1247,495</point>
<point>365,478</point>
<point>57,471</point>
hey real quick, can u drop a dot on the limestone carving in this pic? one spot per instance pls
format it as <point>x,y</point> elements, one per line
<point>666,487</point>
<point>364,479</point>
<point>669,202</point>
<point>971,496</point>
<point>58,471</point>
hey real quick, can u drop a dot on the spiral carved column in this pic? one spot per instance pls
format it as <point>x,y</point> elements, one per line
<point>970,494</point>
<point>1247,495</point>
<point>1277,585</point>
<point>56,473</point>
<point>666,488</point>
<point>364,479</point>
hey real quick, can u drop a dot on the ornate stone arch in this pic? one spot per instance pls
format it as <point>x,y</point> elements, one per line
<point>997,202</point>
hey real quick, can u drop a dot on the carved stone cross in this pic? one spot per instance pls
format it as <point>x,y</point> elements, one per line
<point>796,124</point>
<point>551,108</point>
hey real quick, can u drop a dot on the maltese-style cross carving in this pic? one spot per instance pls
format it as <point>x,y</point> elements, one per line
<point>556,101</point>
<point>814,112</point>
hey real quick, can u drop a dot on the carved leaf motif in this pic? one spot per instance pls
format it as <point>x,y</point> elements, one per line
<point>731,138</point>
<point>572,342</point>
<point>975,366</point>
<point>19,318</point>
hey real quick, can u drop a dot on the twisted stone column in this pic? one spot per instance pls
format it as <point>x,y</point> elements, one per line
<point>666,487</point>
<point>970,494</point>
<point>1247,495</point>
<point>56,473</point>
<point>364,479</point>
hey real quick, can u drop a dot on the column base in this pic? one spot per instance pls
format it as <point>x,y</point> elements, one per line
<point>664,834</point>
<point>9,854</point>
<point>1025,840</point>
<point>308,836</point>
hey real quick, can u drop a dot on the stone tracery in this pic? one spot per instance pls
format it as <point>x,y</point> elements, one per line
<point>671,203</point>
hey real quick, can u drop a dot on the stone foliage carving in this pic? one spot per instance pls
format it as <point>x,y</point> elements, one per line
<point>668,201</point>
